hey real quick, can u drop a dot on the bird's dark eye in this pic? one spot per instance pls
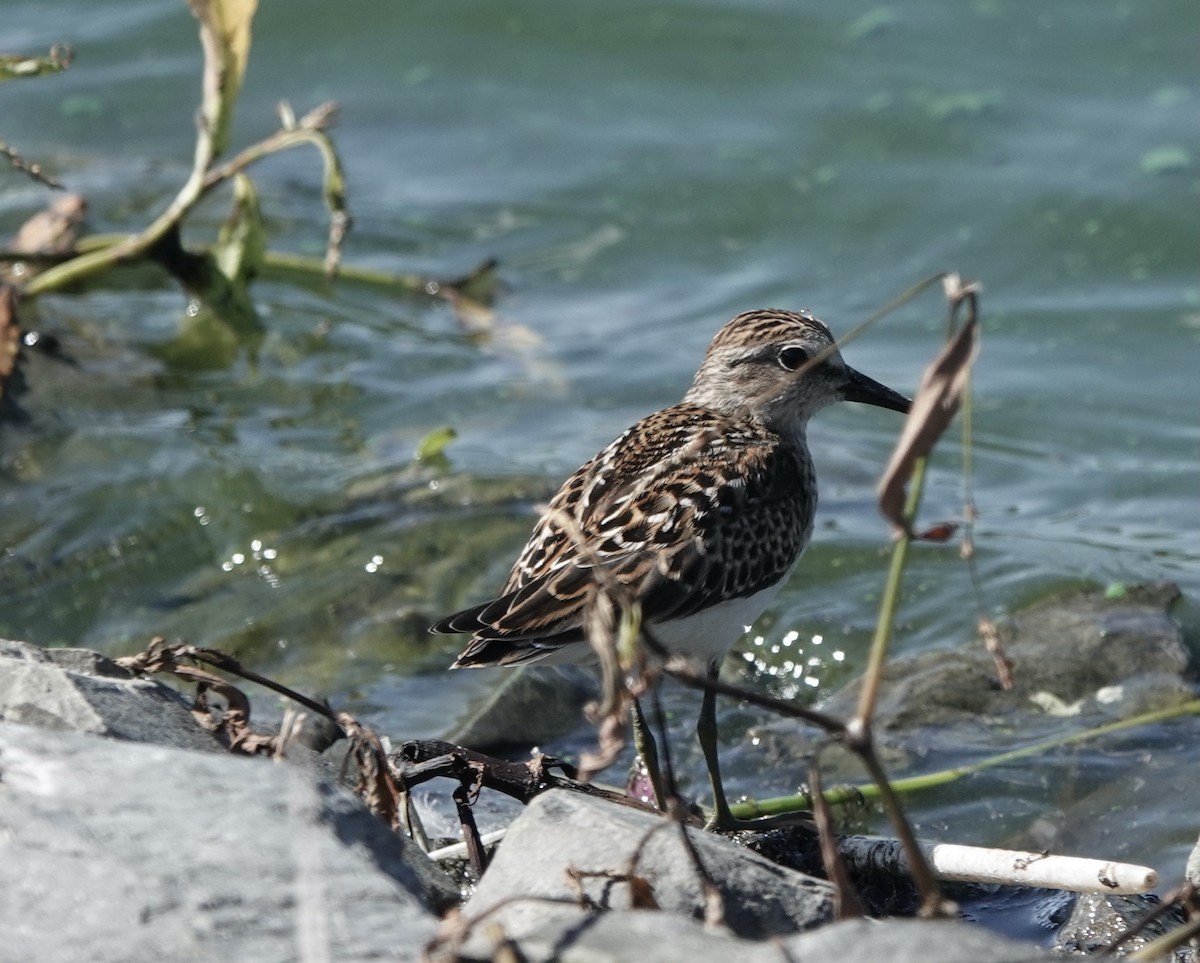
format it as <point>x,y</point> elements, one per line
<point>791,357</point>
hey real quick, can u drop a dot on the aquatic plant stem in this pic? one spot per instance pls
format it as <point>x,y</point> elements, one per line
<point>86,265</point>
<point>225,45</point>
<point>106,251</point>
<point>275,263</point>
<point>841,795</point>
<point>873,674</point>
<point>858,730</point>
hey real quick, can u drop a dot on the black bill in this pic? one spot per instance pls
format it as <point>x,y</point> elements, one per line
<point>870,392</point>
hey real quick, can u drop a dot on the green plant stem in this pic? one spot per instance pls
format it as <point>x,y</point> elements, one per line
<point>891,601</point>
<point>201,180</point>
<point>80,268</point>
<point>840,795</point>
<point>315,267</point>
<point>278,262</point>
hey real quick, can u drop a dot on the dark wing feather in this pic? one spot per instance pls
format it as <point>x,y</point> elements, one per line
<point>678,490</point>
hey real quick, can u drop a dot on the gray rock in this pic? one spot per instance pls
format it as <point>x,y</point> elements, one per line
<point>117,851</point>
<point>528,706</point>
<point>560,830</point>
<point>618,936</point>
<point>80,690</point>
<point>1081,651</point>
<point>1068,647</point>
<point>909,941</point>
<point>1100,918</point>
<point>1191,871</point>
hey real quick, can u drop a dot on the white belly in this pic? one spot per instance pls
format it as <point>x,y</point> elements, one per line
<point>709,634</point>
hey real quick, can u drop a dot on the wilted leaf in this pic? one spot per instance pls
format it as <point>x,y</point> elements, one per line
<point>210,339</point>
<point>10,335</point>
<point>225,36</point>
<point>13,66</point>
<point>52,230</point>
<point>941,532</point>
<point>333,188</point>
<point>221,319</point>
<point>610,711</point>
<point>433,445</point>
<point>641,893</point>
<point>479,284</point>
<point>242,241</point>
<point>475,317</point>
<point>936,402</point>
<point>995,648</point>
<point>376,784</point>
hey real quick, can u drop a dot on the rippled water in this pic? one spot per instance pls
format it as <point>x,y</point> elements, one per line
<point>643,171</point>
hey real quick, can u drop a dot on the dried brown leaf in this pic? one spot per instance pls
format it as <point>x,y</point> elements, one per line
<point>14,66</point>
<point>991,641</point>
<point>504,949</point>
<point>641,893</point>
<point>936,402</point>
<point>378,787</point>
<point>846,901</point>
<point>610,743</point>
<point>575,878</point>
<point>52,230</point>
<point>10,335</point>
<point>232,724</point>
<point>610,712</point>
<point>941,532</point>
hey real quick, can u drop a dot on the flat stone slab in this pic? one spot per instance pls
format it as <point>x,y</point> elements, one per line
<point>1066,649</point>
<point>618,936</point>
<point>597,839</point>
<point>81,690</point>
<point>114,851</point>
<point>1109,653</point>
<point>910,941</point>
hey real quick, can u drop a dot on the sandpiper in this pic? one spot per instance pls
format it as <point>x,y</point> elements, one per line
<point>701,511</point>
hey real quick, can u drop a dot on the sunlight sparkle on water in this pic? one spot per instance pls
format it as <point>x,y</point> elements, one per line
<point>787,661</point>
<point>260,555</point>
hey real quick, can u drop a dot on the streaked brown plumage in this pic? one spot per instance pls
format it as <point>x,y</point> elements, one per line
<point>700,510</point>
<point>708,501</point>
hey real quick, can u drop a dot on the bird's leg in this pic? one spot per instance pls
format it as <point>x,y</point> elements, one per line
<point>647,750</point>
<point>706,733</point>
<point>722,818</point>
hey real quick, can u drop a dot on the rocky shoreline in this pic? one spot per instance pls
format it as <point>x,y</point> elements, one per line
<point>129,832</point>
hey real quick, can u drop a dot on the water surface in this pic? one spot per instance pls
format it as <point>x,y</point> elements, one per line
<point>643,171</point>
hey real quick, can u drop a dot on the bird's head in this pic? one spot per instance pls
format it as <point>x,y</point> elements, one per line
<point>781,367</point>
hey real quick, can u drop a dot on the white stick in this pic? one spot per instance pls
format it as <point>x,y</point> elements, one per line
<point>975,864</point>
<point>459,850</point>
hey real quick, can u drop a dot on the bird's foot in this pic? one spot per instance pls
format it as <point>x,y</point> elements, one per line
<point>721,820</point>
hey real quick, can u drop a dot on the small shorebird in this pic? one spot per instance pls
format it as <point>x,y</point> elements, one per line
<point>700,511</point>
